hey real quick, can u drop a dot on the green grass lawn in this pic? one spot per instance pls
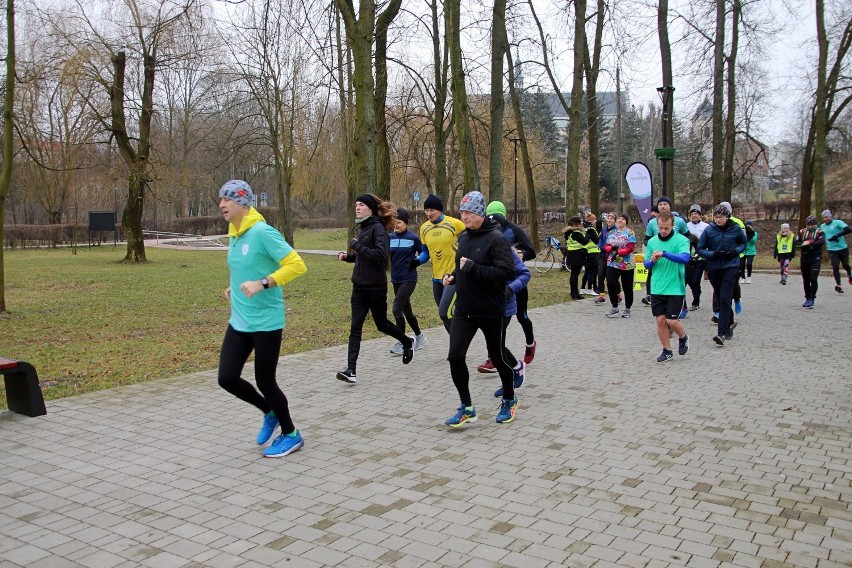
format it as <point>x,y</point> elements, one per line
<point>88,322</point>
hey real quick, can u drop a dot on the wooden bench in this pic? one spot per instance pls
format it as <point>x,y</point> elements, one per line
<point>23,393</point>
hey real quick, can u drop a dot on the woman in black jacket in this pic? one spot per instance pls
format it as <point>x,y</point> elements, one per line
<point>369,279</point>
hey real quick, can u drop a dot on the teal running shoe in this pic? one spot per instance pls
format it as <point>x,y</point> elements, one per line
<point>284,445</point>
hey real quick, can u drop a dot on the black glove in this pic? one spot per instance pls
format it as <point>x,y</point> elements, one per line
<point>834,238</point>
<point>413,264</point>
<point>353,243</point>
<point>723,254</point>
<point>508,293</point>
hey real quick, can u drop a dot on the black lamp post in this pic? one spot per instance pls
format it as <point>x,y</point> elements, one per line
<point>665,153</point>
<point>515,142</point>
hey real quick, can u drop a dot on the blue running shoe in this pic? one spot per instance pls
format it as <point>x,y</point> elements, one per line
<point>508,408</point>
<point>465,415</point>
<point>518,380</point>
<point>684,313</point>
<point>683,345</point>
<point>270,423</point>
<point>738,307</point>
<point>284,445</point>
<point>520,376</point>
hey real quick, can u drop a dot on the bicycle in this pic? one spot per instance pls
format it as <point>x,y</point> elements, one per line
<point>551,254</point>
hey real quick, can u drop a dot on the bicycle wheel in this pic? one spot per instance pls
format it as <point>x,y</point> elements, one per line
<point>544,261</point>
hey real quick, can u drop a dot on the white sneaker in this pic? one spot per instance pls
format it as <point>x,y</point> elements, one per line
<point>419,341</point>
<point>742,280</point>
<point>396,349</point>
<point>748,280</point>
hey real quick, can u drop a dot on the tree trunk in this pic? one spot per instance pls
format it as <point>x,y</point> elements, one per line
<point>135,159</point>
<point>668,81</point>
<point>572,169</point>
<point>8,140</point>
<point>383,158</point>
<point>532,204</point>
<point>344,80</point>
<point>592,64</point>
<point>718,87</point>
<point>441,132</point>
<point>730,117</point>
<point>806,179</point>
<point>461,110</point>
<point>360,35</point>
<point>820,112</point>
<point>499,45</point>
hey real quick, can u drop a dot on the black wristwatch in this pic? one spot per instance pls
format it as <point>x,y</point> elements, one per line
<point>265,282</point>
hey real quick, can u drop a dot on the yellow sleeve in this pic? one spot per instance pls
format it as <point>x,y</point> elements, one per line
<point>292,266</point>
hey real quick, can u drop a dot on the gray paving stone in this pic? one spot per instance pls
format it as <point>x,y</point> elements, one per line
<point>733,456</point>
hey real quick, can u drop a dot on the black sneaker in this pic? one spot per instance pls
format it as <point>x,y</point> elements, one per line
<point>347,376</point>
<point>694,308</point>
<point>646,301</point>
<point>408,352</point>
<point>715,318</point>
<point>719,340</point>
<point>666,355</point>
<point>729,335</point>
<point>683,345</point>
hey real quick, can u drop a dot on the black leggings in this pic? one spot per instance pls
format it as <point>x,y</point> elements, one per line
<point>462,331</point>
<point>574,280</point>
<point>838,257</point>
<point>613,275</point>
<point>401,307</point>
<point>810,276</point>
<point>590,276</point>
<point>522,298</point>
<point>601,272</point>
<point>445,297</point>
<point>236,348</point>
<point>374,301</point>
<point>694,275</point>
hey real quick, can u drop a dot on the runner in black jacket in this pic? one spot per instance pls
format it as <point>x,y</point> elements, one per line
<point>370,280</point>
<point>484,267</point>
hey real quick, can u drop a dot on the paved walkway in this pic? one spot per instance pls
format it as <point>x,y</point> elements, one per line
<point>732,456</point>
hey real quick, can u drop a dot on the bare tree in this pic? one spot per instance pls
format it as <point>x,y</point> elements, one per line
<point>831,99</point>
<point>499,48</point>
<point>575,130</point>
<point>8,139</point>
<point>360,33</point>
<point>592,67</point>
<point>461,109</point>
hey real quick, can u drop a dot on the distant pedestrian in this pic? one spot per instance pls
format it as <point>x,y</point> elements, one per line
<point>369,279</point>
<point>747,261</point>
<point>483,268</point>
<point>809,242</point>
<point>785,250</point>
<point>668,253</point>
<point>835,232</point>
<point>575,253</point>
<point>589,283</point>
<point>603,227</point>
<point>520,282</point>
<point>404,246</point>
<point>664,204</point>
<point>721,244</point>
<point>697,266</point>
<point>521,242</point>
<point>439,235</point>
<point>620,265</point>
<point>260,262</point>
